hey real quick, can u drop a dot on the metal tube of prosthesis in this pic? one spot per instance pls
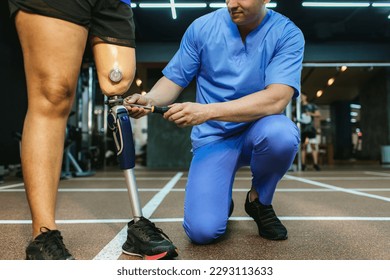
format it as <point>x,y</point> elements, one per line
<point>133,194</point>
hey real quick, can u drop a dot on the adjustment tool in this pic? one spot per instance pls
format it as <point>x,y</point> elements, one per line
<point>153,109</point>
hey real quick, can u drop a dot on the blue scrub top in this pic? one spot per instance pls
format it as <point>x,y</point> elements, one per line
<point>227,68</point>
<point>126,1</point>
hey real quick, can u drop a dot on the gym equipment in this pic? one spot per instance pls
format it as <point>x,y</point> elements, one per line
<point>118,122</point>
<point>79,151</point>
<point>69,160</point>
<point>71,135</point>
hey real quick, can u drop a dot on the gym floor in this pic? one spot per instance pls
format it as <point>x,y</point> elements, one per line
<point>340,213</point>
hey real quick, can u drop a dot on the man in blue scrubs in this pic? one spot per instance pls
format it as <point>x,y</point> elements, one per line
<point>247,63</point>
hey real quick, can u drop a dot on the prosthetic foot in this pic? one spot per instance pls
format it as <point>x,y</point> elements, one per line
<point>151,243</point>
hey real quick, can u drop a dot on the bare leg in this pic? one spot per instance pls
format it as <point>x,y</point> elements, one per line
<point>303,153</point>
<point>314,154</point>
<point>52,51</point>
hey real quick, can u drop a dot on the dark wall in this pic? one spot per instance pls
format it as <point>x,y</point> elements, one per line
<point>13,89</point>
<point>342,130</point>
<point>168,145</point>
<point>375,120</point>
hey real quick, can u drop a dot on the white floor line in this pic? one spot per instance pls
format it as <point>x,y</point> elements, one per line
<point>12,186</point>
<point>179,220</point>
<point>377,173</point>
<point>113,249</point>
<point>118,178</point>
<point>311,182</point>
<point>70,190</point>
<point>360,178</point>
<point>290,218</point>
<point>383,177</point>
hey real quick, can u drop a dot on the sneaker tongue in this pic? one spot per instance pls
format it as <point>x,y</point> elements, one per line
<point>55,245</point>
<point>46,234</point>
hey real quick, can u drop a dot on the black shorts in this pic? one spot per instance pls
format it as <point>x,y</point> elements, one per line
<point>110,20</point>
<point>309,135</point>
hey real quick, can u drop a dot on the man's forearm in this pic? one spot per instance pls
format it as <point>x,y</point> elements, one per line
<point>254,106</point>
<point>164,92</point>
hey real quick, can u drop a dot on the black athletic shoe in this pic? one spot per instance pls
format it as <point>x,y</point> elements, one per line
<point>48,246</point>
<point>267,222</point>
<point>146,240</point>
<point>316,167</point>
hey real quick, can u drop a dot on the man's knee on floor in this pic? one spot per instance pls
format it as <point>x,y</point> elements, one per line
<point>203,231</point>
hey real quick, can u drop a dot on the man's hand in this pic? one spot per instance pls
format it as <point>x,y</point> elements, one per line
<point>136,112</point>
<point>188,114</point>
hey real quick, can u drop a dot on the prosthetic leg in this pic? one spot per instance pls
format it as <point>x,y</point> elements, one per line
<point>119,123</point>
<point>143,237</point>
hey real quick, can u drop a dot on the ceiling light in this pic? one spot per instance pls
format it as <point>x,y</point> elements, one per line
<point>355,106</point>
<point>217,5</point>
<point>172,5</point>
<point>173,9</point>
<point>138,82</point>
<point>319,93</point>
<point>191,5</point>
<point>335,4</point>
<point>133,5</point>
<point>331,81</point>
<point>381,5</point>
<point>223,5</point>
<point>176,5</point>
<point>343,68</point>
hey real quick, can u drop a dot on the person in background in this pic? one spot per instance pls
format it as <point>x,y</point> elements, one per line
<point>247,62</point>
<point>309,133</point>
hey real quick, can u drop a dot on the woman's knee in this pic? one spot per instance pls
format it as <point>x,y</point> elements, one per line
<point>52,97</point>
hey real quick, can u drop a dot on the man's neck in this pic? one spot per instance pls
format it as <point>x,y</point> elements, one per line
<point>247,28</point>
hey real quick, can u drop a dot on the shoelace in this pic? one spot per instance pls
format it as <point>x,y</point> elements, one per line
<point>53,243</point>
<point>151,230</point>
<point>267,215</point>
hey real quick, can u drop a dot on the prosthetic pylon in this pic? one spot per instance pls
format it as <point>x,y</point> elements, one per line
<point>119,123</point>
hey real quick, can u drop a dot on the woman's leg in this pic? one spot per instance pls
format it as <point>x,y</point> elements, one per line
<point>52,51</point>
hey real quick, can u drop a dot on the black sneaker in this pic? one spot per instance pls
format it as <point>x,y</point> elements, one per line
<point>267,222</point>
<point>48,246</point>
<point>146,240</point>
<point>316,167</point>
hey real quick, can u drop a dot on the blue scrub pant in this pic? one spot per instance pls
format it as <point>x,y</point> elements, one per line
<point>268,146</point>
